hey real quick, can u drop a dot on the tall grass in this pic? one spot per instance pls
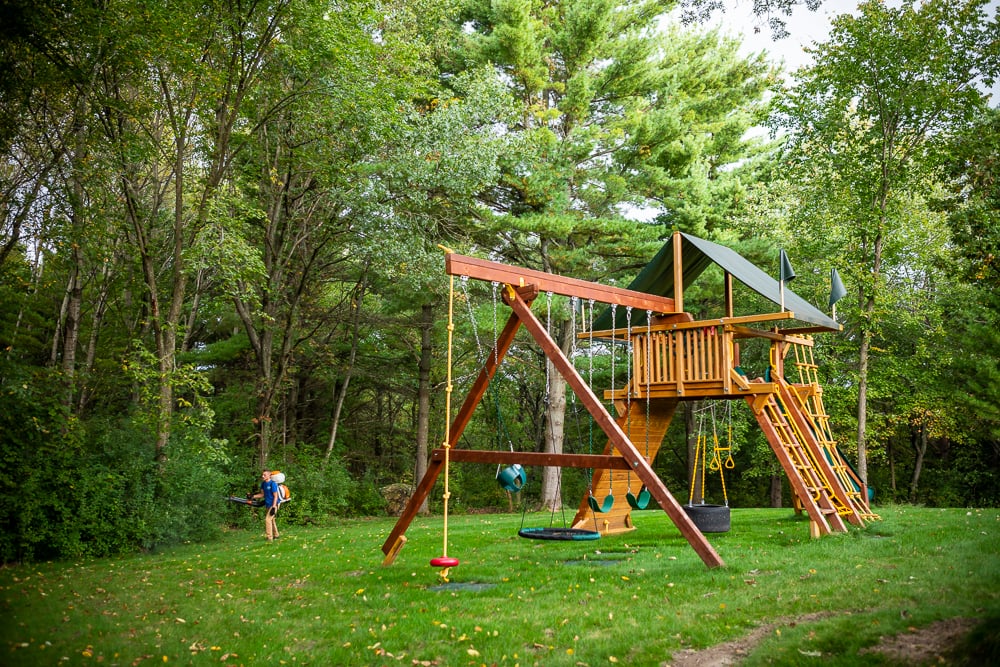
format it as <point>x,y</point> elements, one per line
<point>320,596</point>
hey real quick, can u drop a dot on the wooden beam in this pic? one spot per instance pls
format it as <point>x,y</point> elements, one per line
<point>504,340</point>
<point>728,286</point>
<point>812,330</point>
<point>643,470</point>
<point>392,543</point>
<point>694,324</point>
<point>746,332</point>
<point>643,424</point>
<point>535,458</point>
<point>481,269</point>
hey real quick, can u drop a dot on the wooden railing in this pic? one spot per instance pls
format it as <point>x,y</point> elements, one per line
<point>677,360</point>
<point>693,359</point>
<point>680,356</point>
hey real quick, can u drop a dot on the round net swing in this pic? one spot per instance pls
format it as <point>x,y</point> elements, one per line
<point>556,533</point>
<point>553,532</point>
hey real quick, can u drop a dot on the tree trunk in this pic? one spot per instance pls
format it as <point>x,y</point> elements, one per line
<point>133,208</point>
<point>70,317</point>
<point>920,448</point>
<point>192,317</point>
<point>555,424</point>
<point>95,327</point>
<point>868,315</point>
<point>349,371</point>
<point>57,333</point>
<point>555,436</point>
<point>424,398</point>
<point>71,329</point>
<point>775,491</point>
<point>863,405</point>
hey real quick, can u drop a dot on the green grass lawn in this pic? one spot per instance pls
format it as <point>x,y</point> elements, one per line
<point>320,595</point>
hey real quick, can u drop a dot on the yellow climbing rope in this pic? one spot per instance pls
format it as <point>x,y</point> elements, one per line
<point>444,561</point>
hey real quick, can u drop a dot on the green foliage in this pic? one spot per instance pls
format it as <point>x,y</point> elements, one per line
<point>71,491</point>
<point>319,491</point>
<point>41,454</point>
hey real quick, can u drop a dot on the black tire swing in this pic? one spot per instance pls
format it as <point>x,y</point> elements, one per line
<point>552,532</point>
<point>707,517</point>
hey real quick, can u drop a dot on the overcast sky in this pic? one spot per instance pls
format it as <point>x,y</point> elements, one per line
<point>805,28</point>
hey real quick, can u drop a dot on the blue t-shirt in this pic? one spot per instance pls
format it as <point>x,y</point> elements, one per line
<point>270,489</point>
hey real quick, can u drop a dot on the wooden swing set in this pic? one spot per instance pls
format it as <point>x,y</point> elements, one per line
<point>675,358</point>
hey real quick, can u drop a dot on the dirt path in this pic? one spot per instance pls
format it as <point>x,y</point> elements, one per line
<point>919,646</point>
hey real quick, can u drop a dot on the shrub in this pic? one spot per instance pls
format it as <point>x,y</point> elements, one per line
<point>318,491</point>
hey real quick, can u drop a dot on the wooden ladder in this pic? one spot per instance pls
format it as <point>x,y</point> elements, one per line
<point>810,398</point>
<point>808,483</point>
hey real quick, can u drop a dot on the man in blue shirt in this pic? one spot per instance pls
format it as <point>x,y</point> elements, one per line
<point>269,492</point>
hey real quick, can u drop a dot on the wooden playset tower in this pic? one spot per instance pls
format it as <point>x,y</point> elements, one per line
<point>675,358</point>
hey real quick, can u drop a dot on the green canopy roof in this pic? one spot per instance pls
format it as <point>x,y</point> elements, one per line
<point>697,254</point>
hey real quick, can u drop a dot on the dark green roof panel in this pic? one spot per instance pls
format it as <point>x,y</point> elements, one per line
<point>697,254</point>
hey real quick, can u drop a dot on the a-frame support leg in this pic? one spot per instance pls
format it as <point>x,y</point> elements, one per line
<point>505,339</point>
<point>616,437</point>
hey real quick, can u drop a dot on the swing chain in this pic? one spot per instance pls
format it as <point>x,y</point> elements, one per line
<point>614,310</point>
<point>548,330</point>
<point>472,317</point>
<point>649,370</point>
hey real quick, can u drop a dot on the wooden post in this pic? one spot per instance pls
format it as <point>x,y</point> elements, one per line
<point>729,294</point>
<point>678,273</point>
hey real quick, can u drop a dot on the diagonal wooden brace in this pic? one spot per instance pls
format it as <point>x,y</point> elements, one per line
<point>643,470</point>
